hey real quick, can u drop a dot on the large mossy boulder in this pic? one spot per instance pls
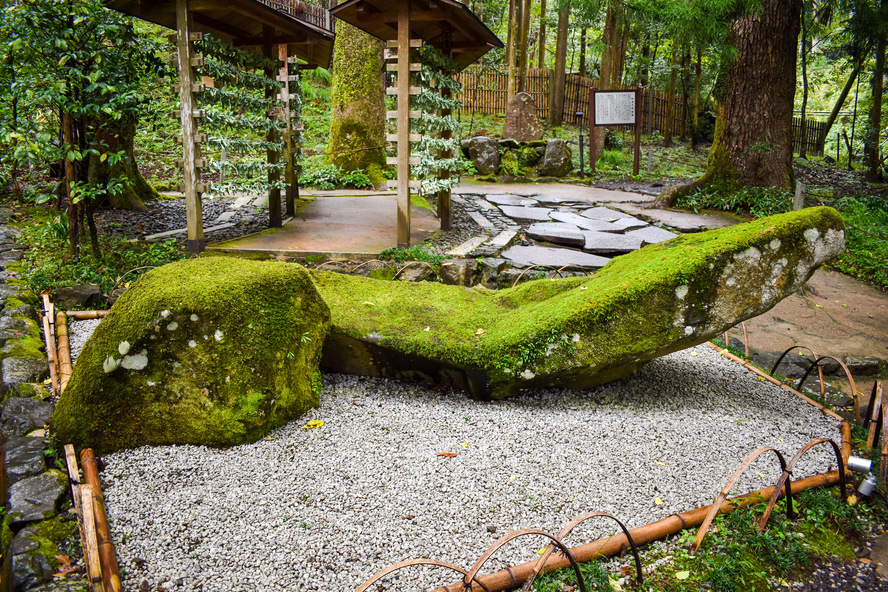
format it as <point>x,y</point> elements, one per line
<point>575,332</point>
<point>213,351</point>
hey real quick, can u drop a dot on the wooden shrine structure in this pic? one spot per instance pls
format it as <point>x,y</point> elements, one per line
<point>282,29</point>
<point>448,26</point>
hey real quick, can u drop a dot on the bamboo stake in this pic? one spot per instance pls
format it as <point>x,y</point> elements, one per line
<point>50,344</point>
<point>64,351</point>
<point>512,578</point>
<point>107,555</point>
<point>91,549</point>
<point>87,314</point>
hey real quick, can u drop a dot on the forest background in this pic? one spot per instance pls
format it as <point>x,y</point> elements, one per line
<point>110,76</point>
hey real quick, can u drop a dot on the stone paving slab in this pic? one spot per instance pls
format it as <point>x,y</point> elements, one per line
<point>485,205</point>
<point>603,213</point>
<point>585,223</point>
<point>625,224</point>
<point>502,239</point>
<point>527,214</point>
<point>468,246</point>
<point>607,243</point>
<point>557,232</point>
<point>511,200</point>
<point>553,257</point>
<point>241,202</point>
<point>652,235</point>
<point>457,199</point>
<point>681,220</point>
<point>567,192</point>
<point>480,220</point>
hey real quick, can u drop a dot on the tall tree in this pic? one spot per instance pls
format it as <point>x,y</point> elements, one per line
<point>523,45</point>
<point>357,103</point>
<point>541,43</point>
<point>556,106</point>
<point>75,71</point>
<point>753,133</point>
<point>670,96</point>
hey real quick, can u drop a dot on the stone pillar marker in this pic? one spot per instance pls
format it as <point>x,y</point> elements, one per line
<point>522,123</point>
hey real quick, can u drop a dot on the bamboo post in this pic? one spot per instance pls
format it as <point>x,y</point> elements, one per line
<point>82,497</point>
<point>403,124</point>
<point>87,314</point>
<point>49,340</point>
<point>64,351</point>
<point>107,555</point>
<point>190,148</point>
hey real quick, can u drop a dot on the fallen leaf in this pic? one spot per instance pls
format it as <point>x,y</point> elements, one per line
<point>368,303</point>
<point>314,423</point>
<point>852,500</point>
<point>479,332</point>
<point>614,584</point>
<point>465,444</point>
<point>625,571</point>
<point>693,354</point>
<point>541,551</point>
<point>427,328</point>
<point>865,560</point>
<point>682,575</point>
<point>657,501</point>
<point>762,475</point>
<point>447,454</point>
<point>662,464</point>
<point>270,439</point>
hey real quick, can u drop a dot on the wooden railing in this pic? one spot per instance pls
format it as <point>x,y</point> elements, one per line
<point>309,13</point>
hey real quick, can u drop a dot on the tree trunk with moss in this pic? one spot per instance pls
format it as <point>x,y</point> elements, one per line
<point>753,130</point>
<point>357,125</point>
<point>138,190</point>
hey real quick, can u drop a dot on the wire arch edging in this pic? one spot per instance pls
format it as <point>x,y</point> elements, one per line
<point>787,472</point>
<point>538,568</point>
<point>411,562</point>
<point>716,506</point>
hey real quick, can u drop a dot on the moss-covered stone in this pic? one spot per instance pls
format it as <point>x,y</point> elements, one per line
<point>213,351</point>
<point>575,332</point>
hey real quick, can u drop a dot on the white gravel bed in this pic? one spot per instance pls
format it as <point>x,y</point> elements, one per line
<point>325,508</point>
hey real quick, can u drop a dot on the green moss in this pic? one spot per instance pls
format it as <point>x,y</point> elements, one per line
<point>6,534</point>
<point>535,327</point>
<point>229,349</point>
<point>511,165</point>
<point>24,347</point>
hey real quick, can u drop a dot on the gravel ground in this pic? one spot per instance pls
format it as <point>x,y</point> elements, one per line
<point>325,508</point>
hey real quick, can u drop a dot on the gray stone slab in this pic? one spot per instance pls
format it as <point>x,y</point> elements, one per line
<point>502,239</point>
<point>480,220</point>
<point>22,415</point>
<point>260,201</point>
<point>16,369</point>
<point>35,498</point>
<point>652,235</point>
<point>557,232</point>
<point>457,199</point>
<point>468,246</point>
<point>241,202</point>
<point>630,223</point>
<point>602,213</point>
<point>608,243</point>
<point>683,221</point>
<point>585,223</point>
<point>484,204</point>
<point>511,200</point>
<point>526,214</point>
<point>553,257</point>
<point>24,458</point>
<point>224,217</point>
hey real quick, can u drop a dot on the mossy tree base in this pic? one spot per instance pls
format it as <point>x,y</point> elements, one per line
<point>213,351</point>
<point>575,332</point>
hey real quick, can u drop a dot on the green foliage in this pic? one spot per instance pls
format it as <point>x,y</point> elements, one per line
<point>758,201</point>
<point>414,253</point>
<point>866,238</point>
<point>49,267</point>
<point>330,176</point>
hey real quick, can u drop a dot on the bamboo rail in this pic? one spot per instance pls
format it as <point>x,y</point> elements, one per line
<point>107,555</point>
<point>82,496</point>
<point>49,340</point>
<point>63,351</point>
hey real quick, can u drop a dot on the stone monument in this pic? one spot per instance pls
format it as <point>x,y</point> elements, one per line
<point>522,123</point>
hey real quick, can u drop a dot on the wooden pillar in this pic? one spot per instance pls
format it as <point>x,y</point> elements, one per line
<point>190,148</point>
<point>289,155</point>
<point>403,123</point>
<point>444,213</point>
<point>274,195</point>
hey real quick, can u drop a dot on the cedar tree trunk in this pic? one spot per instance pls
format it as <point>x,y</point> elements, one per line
<point>357,125</point>
<point>753,132</point>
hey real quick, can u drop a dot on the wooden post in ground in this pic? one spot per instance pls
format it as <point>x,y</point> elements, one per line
<point>274,193</point>
<point>444,195</point>
<point>289,155</point>
<point>403,124</point>
<point>190,148</point>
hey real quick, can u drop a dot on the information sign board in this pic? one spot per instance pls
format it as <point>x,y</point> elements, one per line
<point>615,107</point>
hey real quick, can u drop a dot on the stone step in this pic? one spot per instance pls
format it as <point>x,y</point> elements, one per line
<point>526,214</point>
<point>480,220</point>
<point>553,257</point>
<point>557,232</point>
<point>468,246</point>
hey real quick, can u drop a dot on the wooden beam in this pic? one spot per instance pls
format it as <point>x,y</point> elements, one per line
<point>289,153</point>
<point>274,195</point>
<point>218,26</point>
<point>403,120</point>
<point>416,16</point>
<point>190,148</point>
<point>276,40</point>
